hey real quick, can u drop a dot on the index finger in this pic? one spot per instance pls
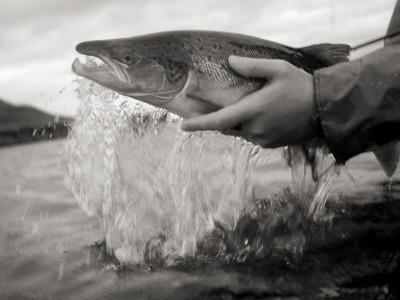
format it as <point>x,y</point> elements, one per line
<point>256,67</point>
<point>226,117</point>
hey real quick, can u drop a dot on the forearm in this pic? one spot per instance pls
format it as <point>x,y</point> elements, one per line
<point>359,102</point>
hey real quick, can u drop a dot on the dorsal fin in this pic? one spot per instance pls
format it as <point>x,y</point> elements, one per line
<point>328,54</point>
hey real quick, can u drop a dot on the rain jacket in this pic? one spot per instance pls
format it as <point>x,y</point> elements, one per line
<point>359,101</point>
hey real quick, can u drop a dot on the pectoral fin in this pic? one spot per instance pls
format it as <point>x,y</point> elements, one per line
<point>388,157</point>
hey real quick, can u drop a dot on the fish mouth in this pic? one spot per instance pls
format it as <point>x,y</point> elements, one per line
<point>109,74</point>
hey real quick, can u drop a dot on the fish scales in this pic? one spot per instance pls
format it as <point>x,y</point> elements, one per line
<point>209,53</point>
<point>216,79</point>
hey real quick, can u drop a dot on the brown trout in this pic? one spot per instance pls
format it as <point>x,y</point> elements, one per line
<point>187,72</point>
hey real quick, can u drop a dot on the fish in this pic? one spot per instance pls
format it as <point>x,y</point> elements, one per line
<point>187,72</point>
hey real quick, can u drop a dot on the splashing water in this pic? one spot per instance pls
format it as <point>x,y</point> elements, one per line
<point>162,194</point>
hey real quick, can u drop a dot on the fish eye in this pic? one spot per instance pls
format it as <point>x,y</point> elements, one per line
<point>128,59</point>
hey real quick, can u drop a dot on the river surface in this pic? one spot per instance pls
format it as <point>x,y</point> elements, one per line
<point>45,240</point>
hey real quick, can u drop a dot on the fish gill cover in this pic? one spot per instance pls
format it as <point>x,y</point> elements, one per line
<point>163,194</point>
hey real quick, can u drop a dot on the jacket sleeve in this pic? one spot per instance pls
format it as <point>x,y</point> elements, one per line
<point>359,102</point>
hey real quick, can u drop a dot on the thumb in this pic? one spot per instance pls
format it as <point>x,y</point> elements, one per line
<point>256,67</point>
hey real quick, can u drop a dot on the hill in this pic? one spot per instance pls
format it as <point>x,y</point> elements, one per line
<point>21,124</point>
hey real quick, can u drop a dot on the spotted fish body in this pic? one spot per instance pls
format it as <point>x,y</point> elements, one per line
<point>206,53</point>
<point>192,72</point>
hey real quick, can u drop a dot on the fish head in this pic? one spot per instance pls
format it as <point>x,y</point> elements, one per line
<point>149,68</point>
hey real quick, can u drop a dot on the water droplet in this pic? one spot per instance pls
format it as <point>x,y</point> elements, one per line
<point>61,266</point>
<point>23,216</point>
<point>35,228</point>
<point>18,187</point>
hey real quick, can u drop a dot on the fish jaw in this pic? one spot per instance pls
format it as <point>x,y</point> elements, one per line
<point>114,77</point>
<point>104,77</point>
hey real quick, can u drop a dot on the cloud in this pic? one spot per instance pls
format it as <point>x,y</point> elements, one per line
<point>37,38</point>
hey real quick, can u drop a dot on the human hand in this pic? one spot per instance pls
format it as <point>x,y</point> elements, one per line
<point>278,114</point>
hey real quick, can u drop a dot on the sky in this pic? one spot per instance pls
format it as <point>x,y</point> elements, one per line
<point>38,37</point>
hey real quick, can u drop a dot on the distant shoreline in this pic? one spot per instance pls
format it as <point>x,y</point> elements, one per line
<point>24,124</point>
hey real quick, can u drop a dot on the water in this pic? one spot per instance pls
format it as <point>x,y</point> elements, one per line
<point>193,216</point>
<point>147,180</point>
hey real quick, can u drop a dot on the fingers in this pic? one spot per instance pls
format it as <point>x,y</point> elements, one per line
<point>255,67</point>
<point>222,119</point>
<point>227,117</point>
